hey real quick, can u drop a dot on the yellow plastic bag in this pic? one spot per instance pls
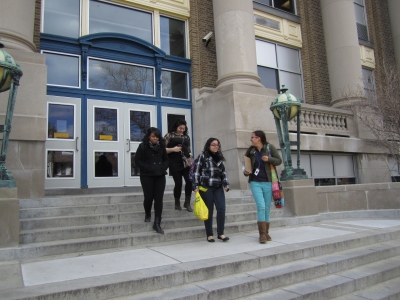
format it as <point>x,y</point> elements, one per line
<point>200,209</point>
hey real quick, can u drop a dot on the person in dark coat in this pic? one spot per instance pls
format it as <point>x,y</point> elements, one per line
<point>103,167</point>
<point>178,145</point>
<point>151,157</point>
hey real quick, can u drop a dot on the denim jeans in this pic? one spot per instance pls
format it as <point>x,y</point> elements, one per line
<point>262,192</point>
<point>214,195</point>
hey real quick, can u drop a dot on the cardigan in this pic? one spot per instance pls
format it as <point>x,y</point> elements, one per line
<point>274,159</point>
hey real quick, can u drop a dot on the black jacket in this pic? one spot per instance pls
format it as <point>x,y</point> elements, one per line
<point>151,162</point>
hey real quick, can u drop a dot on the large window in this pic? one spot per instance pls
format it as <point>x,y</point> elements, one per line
<point>105,17</point>
<point>286,5</point>
<point>279,65</point>
<point>63,69</point>
<point>173,35</point>
<point>327,169</point>
<point>369,82</point>
<point>120,77</point>
<point>62,17</point>
<point>394,168</point>
<point>362,29</point>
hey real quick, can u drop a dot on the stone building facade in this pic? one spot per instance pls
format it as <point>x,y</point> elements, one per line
<point>223,89</point>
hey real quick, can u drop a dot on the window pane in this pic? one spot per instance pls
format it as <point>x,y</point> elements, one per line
<point>360,16</point>
<point>292,82</point>
<point>106,124</point>
<point>62,70</point>
<point>324,181</point>
<point>139,123</point>
<point>322,166</point>
<point>173,36</point>
<point>106,164</point>
<point>171,119</point>
<point>174,84</point>
<point>368,79</point>
<point>343,166</point>
<point>60,164</point>
<point>266,2</point>
<point>120,77</point>
<point>394,166</point>
<point>344,181</point>
<point>269,78</point>
<point>266,55</point>
<point>286,5</point>
<point>135,171</point>
<point>361,2</point>
<point>60,121</point>
<point>105,17</point>
<point>61,18</point>
<point>288,59</point>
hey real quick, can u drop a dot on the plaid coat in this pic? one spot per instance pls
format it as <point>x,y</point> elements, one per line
<point>209,173</point>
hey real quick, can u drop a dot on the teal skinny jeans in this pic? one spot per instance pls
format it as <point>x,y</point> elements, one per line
<point>262,192</point>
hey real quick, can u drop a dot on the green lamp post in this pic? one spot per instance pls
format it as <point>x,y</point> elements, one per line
<point>10,74</point>
<point>285,107</point>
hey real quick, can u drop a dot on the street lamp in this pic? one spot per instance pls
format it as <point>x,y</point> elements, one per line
<point>285,107</point>
<point>10,74</point>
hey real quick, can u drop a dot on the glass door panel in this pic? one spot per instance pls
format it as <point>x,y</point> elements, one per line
<point>63,162</point>
<point>138,118</point>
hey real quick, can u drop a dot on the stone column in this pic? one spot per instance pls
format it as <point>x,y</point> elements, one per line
<point>235,42</point>
<point>25,152</point>
<point>394,9</point>
<point>342,48</point>
<point>16,24</point>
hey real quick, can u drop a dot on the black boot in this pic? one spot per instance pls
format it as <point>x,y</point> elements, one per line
<point>156,225</point>
<point>178,204</point>
<point>147,217</point>
<point>187,204</point>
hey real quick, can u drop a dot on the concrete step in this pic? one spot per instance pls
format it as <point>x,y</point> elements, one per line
<point>61,229</point>
<point>320,269</point>
<point>80,200</point>
<point>185,220</point>
<point>85,210</point>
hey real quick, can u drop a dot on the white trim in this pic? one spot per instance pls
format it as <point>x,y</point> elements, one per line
<point>73,163</point>
<point>79,68</point>
<point>118,164</point>
<point>94,124</point>
<point>47,125</point>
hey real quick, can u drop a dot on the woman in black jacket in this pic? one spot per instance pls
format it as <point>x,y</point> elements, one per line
<point>151,157</point>
<point>178,145</point>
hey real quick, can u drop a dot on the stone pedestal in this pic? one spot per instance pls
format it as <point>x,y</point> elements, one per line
<point>301,197</point>
<point>9,218</point>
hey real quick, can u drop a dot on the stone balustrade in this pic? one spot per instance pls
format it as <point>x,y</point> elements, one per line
<point>323,120</point>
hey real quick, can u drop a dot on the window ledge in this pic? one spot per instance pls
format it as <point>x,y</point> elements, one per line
<point>276,12</point>
<point>366,43</point>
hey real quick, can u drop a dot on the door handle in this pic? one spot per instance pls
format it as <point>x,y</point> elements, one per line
<point>129,145</point>
<point>76,143</point>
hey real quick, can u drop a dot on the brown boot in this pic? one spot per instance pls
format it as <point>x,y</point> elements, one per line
<point>261,230</point>
<point>266,231</point>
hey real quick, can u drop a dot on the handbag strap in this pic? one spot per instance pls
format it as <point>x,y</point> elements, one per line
<point>273,167</point>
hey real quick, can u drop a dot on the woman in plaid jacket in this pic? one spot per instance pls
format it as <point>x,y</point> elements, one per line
<point>210,174</point>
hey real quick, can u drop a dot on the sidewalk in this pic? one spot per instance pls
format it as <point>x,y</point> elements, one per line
<point>59,269</point>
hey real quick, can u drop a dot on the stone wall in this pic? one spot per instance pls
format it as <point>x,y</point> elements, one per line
<point>358,197</point>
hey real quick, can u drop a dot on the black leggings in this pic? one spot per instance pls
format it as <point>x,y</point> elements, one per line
<point>153,189</point>
<point>177,176</point>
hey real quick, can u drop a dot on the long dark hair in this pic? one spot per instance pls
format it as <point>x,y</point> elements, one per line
<point>157,133</point>
<point>261,135</point>
<point>178,123</point>
<point>206,149</point>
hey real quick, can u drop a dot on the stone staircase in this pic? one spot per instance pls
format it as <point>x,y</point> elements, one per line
<point>57,225</point>
<point>364,264</point>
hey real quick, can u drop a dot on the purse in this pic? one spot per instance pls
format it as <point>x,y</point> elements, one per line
<point>277,191</point>
<point>187,161</point>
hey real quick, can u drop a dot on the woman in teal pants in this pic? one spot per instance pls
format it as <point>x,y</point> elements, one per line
<point>260,179</point>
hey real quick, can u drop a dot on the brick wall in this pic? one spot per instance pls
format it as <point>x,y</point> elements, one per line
<point>314,60</point>
<point>204,61</point>
<point>381,35</point>
<point>36,28</point>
